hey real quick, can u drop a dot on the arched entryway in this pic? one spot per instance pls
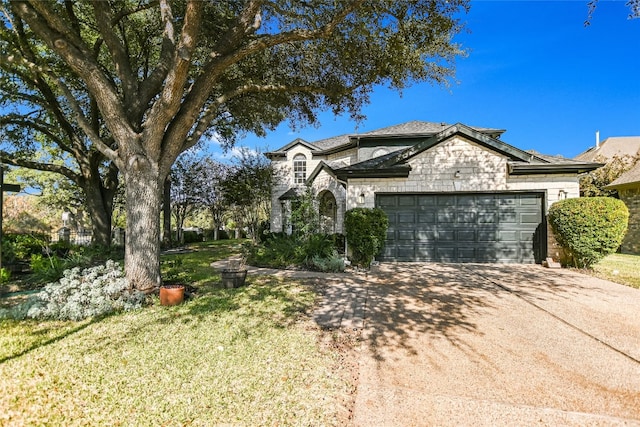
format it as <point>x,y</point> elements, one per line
<point>328,210</point>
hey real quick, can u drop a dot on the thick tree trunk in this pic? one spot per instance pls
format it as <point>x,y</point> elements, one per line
<point>166,214</point>
<point>142,248</point>
<point>100,211</point>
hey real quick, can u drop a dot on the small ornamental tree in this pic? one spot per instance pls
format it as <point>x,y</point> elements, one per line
<point>366,230</point>
<point>589,228</point>
<point>305,217</point>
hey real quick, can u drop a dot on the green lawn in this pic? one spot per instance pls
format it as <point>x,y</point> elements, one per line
<point>247,356</point>
<point>619,268</point>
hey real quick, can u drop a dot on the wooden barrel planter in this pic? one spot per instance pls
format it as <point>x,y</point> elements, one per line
<point>232,278</point>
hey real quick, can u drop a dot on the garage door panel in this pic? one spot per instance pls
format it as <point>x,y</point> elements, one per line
<point>508,236</point>
<point>446,254</point>
<point>507,200</point>
<point>507,217</point>
<point>467,255</point>
<point>530,218</point>
<point>466,201</point>
<point>446,200</point>
<point>425,235</point>
<point>486,200</point>
<point>426,217</point>
<point>405,218</point>
<point>466,235</point>
<point>445,235</point>
<point>487,235</point>
<point>405,251</point>
<point>426,200</point>
<point>446,216</point>
<point>386,201</point>
<point>424,252</point>
<point>405,235</point>
<point>473,227</point>
<point>487,217</point>
<point>405,201</point>
<point>529,200</point>
<point>467,217</point>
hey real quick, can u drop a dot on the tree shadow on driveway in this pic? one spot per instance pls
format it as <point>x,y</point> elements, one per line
<point>434,300</point>
<point>442,301</point>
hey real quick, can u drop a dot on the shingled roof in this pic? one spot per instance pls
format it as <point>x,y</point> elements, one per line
<point>627,179</point>
<point>416,128</point>
<point>520,162</point>
<point>610,147</point>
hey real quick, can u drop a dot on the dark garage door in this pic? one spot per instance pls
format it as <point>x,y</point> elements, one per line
<point>477,227</point>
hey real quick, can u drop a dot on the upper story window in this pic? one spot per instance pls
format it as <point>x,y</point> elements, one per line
<point>299,169</point>
<point>379,152</point>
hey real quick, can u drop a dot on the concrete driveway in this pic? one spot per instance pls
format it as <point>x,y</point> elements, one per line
<point>471,344</point>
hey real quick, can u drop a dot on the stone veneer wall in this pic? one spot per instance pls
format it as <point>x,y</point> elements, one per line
<point>631,242</point>
<point>480,170</point>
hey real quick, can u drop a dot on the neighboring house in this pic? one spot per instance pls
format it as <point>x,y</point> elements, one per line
<point>627,184</point>
<point>453,193</point>
<point>614,146</point>
<point>628,187</point>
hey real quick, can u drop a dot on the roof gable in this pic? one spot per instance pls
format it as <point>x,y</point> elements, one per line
<point>282,152</point>
<point>496,145</point>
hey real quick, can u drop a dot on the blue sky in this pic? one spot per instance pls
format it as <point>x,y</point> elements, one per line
<point>533,69</point>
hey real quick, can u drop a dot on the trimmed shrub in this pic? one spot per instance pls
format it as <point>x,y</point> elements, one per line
<point>366,231</point>
<point>589,228</point>
<point>80,294</point>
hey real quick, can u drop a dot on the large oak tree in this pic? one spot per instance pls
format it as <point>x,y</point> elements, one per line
<point>164,74</point>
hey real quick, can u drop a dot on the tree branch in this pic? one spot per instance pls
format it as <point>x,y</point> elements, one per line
<point>37,125</point>
<point>46,167</point>
<point>171,97</point>
<point>209,113</point>
<point>217,64</point>
<point>126,12</point>
<point>118,52</point>
<point>84,124</point>
<point>82,63</point>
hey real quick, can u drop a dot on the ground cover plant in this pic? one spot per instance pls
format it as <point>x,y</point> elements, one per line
<point>247,356</point>
<point>317,252</point>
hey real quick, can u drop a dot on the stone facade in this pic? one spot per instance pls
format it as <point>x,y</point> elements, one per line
<point>631,243</point>
<point>460,165</point>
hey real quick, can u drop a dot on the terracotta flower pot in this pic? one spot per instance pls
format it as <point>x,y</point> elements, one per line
<point>171,294</point>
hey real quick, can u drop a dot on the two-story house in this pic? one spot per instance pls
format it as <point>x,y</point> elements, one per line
<point>453,193</point>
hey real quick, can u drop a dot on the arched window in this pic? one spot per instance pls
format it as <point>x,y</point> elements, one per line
<point>299,169</point>
<point>379,152</point>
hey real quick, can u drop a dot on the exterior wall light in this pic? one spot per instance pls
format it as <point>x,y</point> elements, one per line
<point>457,174</point>
<point>562,195</point>
<point>361,199</point>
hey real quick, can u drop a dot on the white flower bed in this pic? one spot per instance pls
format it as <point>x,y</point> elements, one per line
<point>84,293</point>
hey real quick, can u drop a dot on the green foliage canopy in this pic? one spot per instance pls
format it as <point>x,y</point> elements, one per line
<point>593,184</point>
